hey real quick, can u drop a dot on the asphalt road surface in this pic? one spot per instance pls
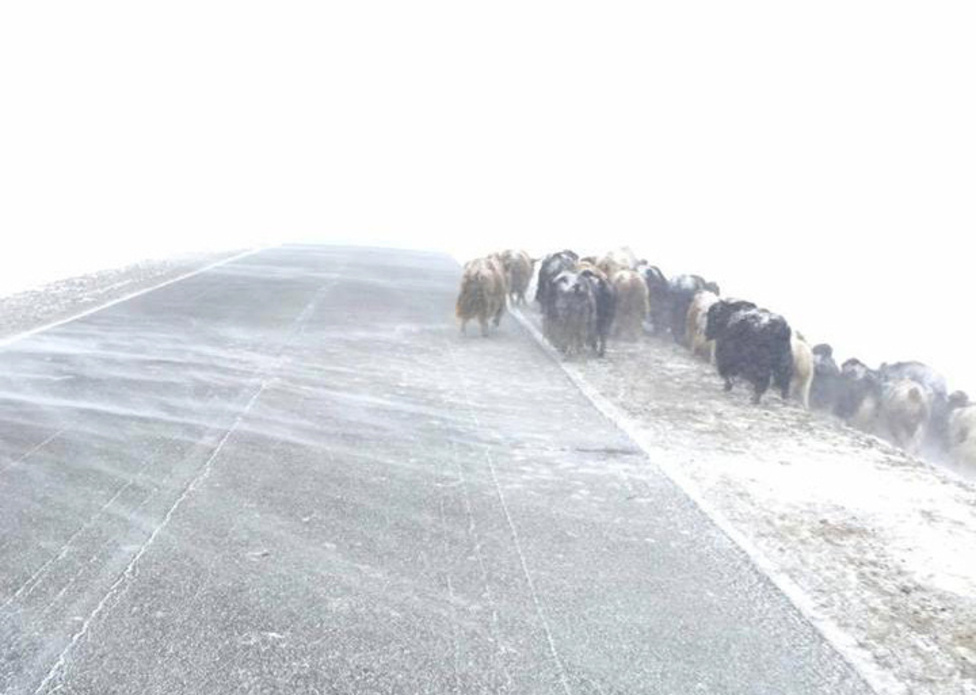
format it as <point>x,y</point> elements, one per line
<point>291,474</point>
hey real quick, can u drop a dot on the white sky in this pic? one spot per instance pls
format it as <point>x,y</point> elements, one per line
<point>819,158</point>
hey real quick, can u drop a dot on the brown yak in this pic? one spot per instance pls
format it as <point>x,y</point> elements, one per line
<point>632,304</point>
<point>482,294</point>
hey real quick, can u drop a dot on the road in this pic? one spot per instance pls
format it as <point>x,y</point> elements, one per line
<point>290,474</point>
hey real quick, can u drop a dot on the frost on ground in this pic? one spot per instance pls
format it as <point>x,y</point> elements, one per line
<point>58,300</point>
<point>883,545</point>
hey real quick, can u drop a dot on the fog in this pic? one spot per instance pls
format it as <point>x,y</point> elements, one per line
<point>817,159</point>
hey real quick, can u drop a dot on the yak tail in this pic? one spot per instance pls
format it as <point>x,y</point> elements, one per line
<point>469,300</point>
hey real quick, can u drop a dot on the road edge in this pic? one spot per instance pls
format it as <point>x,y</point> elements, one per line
<point>17,337</point>
<point>847,647</point>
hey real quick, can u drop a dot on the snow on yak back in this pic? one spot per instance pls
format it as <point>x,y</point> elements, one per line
<point>482,294</point>
<point>752,344</point>
<point>572,312</point>
<point>632,304</point>
<point>657,294</point>
<point>696,324</point>
<point>826,378</point>
<point>551,266</point>
<point>606,305</point>
<point>718,315</point>
<point>518,273</point>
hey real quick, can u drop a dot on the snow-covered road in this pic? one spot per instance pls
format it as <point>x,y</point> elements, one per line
<point>28,308</point>
<point>291,474</point>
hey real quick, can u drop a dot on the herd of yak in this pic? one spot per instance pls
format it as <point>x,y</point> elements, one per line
<point>585,301</point>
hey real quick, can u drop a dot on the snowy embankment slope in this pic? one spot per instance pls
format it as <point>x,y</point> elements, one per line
<point>875,546</point>
<point>56,301</point>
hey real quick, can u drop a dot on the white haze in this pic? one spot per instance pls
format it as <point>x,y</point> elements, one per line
<point>816,158</point>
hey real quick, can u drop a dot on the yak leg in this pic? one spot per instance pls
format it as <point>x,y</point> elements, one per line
<point>760,386</point>
<point>784,386</point>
